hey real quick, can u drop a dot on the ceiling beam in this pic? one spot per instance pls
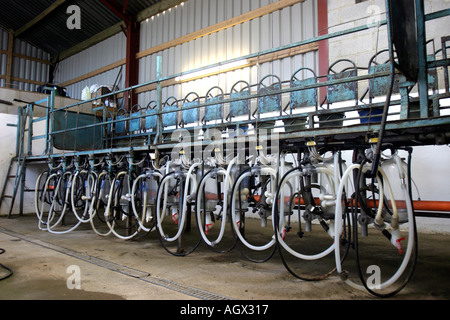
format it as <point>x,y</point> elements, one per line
<point>41,16</point>
<point>117,10</point>
<point>159,7</point>
<point>133,41</point>
<point>115,29</point>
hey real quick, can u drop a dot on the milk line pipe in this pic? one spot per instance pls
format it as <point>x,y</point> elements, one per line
<point>36,194</point>
<point>68,185</point>
<point>228,184</point>
<point>189,176</point>
<point>40,212</point>
<point>395,233</point>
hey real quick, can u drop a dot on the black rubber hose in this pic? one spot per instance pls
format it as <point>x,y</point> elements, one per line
<point>412,268</point>
<point>10,272</point>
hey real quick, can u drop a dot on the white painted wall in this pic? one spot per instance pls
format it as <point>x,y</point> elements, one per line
<point>360,47</point>
<point>8,151</point>
<point>431,172</point>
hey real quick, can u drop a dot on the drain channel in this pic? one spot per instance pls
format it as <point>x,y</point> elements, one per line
<point>137,274</point>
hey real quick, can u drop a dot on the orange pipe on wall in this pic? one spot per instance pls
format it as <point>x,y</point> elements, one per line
<point>418,205</point>
<point>421,205</point>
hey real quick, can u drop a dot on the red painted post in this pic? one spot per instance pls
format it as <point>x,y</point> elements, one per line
<point>322,9</point>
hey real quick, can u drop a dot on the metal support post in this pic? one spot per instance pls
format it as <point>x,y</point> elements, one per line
<point>52,118</point>
<point>422,51</point>
<point>49,122</point>
<point>22,187</point>
<point>444,56</point>
<point>30,109</point>
<point>19,128</point>
<point>159,126</point>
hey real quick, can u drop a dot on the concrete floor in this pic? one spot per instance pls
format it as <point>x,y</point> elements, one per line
<point>113,269</point>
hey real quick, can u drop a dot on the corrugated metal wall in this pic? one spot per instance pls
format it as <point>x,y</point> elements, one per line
<point>23,68</point>
<point>282,27</point>
<point>100,55</point>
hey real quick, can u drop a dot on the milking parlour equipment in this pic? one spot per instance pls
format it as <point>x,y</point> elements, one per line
<point>52,196</point>
<point>381,207</point>
<point>118,213</point>
<point>251,202</point>
<point>170,170</point>
<point>304,208</point>
<point>174,206</point>
<point>215,179</point>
